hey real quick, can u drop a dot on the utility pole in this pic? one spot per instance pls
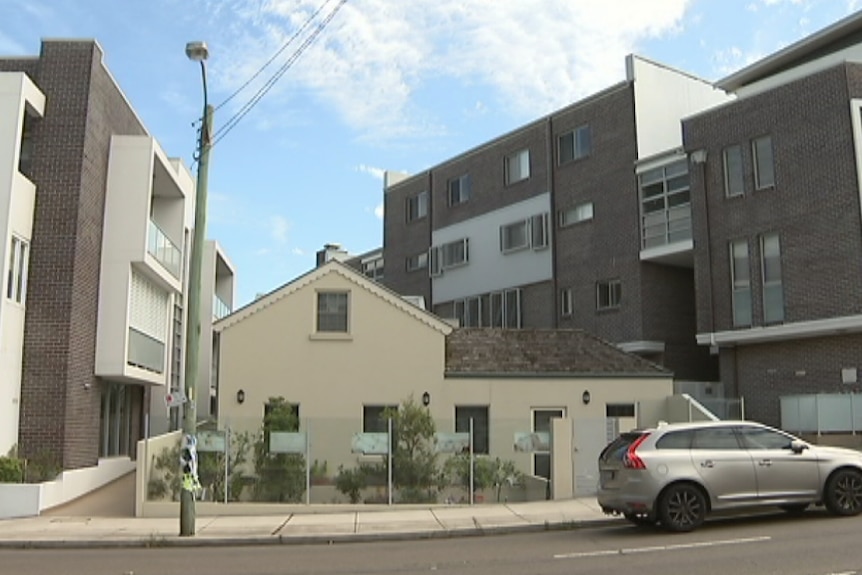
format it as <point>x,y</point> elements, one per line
<point>198,52</point>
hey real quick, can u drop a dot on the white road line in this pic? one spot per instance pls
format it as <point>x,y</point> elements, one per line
<point>676,547</point>
<point>844,573</point>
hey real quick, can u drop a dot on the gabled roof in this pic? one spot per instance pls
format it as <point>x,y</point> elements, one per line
<point>540,352</point>
<point>839,35</point>
<point>333,267</point>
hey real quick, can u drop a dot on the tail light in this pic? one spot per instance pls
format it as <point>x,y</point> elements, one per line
<point>631,460</point>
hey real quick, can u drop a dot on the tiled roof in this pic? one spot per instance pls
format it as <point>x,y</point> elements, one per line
<point>471,351</point>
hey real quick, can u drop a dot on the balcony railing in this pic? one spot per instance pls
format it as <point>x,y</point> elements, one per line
<point>220,308</point>
<point>666,227</point>
<point>163,249</point>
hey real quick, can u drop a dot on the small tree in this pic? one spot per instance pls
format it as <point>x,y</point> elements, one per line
<point>280,476</point>
<point>486,473</point>
<point>414,462</point>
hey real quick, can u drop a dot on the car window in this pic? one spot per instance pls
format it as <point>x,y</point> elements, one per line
<point>760,438</point>
<point>715,438</point>
<point>675,440</point>
<point>617,448</point>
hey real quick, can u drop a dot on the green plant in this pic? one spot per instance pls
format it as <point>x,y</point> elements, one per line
<point>350,482</point>
<point>211,468</point>
<point>41,467</point>
<point>319,473</point>
<point>280,476</point>
<point>11,470</point>
<point>487,473</point>
<point>168,482</point>
<point>414,461</point>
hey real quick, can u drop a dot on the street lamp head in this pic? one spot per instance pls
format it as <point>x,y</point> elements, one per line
<point>197,51</point>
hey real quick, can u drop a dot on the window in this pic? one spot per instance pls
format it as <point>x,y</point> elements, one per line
<point>517,167</point>
<point>479,415</point>
<point>539,231</point>
<point>723,438</point>
<point>665,205</point>
<point>579,213</point>
<point>575,145</point>
<point>675,440</point>
<point>608,294</point>
<point>417,262</point>
<point>448,255</point>
<point>773,292</point>
<point>514,236</point>
<point>459,190</point>
<point>373,269</point>
<point>764,169</point>
<point>417,206</point>
<point>566,302</point>
<point>733,181</point>
<point>512,310</point>
<point>373,420</point>
<point>332,311</point>
<point>762,438</point>
<point>498,309</point>
<point>740,280</point>
<point>620,410</point>
<point>16,279</point>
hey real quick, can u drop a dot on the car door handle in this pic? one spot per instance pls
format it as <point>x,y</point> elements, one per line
<point>707,463</point>
<point>765,463</point>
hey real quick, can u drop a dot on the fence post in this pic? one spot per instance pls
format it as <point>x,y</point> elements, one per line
<point>389,457</point>
<point>226,461</point>
<point>307,463</point>
<point>471,461</point>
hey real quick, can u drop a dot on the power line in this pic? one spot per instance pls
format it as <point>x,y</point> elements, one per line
<point>248,106</point>
<point>274,56</point>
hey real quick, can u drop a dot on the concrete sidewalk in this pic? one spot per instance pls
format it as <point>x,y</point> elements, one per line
<point>304,528</point>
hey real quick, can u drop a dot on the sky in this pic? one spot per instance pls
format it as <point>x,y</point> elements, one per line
<point>396,85</point>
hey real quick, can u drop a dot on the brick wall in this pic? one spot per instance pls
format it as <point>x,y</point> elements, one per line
<point>60,396</point>
<point>403,239</point>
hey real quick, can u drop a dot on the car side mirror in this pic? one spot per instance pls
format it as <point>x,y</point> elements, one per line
<point>797,446</point>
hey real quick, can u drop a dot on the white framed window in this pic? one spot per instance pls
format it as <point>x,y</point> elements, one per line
<point>539,231</point>
<point>579,213</point>
<point>740,281</point>
<point>514,236</point>
<point>734,184</point>
<point>609,294</point>
<point>459,190</point>
<point>567,302</point>
<point>449,255</point>
<point>665,205</point>
<point>332,311</point>
<point>417,262</point>
<point>770,266</point>
<point>574,145</point>
<point>16,278</point>
<point>764,167</point>
<point>434,267</point>
<point>417,206</point>
<point>517,167</point>
<point>373,269</point>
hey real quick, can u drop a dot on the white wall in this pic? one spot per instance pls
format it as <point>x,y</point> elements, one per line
<point>17,199</point>
<point>663,96</point>
<point>489,269</point>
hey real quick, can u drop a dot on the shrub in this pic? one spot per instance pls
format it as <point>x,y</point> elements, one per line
<point>11,470</point>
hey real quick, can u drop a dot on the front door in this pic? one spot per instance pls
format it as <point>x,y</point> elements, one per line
<point>542,423</point>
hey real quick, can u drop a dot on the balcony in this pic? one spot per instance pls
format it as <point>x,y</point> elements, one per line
<point>163,249</point>
<point>220,308</point>
<point>666,227</point>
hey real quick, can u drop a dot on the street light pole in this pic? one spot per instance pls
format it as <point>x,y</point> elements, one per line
<point>198,52</point>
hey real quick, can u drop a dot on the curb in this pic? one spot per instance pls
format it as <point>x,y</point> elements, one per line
<point>160,542</point>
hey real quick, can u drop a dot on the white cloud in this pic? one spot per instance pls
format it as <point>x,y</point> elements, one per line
<point>297,252</point>
<point>375,55</point>
<point>278,228</point>
<point>378,211</point>
<point>376,173</point>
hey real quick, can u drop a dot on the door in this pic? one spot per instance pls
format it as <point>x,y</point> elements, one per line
<point>781,472</point>
<point>542,423</point>
<point>725,467</point>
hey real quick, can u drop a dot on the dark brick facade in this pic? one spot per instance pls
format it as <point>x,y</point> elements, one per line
<point>403,239</point>
<point>814,207</point>
<point>60,395</point>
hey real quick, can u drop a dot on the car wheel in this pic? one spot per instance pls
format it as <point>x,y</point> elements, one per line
<point>843,493</point>
<point>641,519</point>
<point>682,508</point>
<point>795,508</point>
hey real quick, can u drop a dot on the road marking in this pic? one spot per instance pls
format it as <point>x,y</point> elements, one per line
<point>844,573</point>
<point>676,547</point>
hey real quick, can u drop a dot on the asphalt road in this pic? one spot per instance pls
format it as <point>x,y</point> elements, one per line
<point>814,544</point>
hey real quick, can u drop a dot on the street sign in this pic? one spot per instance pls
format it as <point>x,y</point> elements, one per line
<point>175,397</point>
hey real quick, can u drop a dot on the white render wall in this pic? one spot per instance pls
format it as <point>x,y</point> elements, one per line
<point>663,96</point>
<point>17,200</point>
<point>488,269</point>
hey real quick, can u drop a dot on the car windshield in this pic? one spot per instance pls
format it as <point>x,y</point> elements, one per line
<point>616,449</point>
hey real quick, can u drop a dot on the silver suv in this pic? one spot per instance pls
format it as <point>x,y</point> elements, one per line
<point>676,474</point>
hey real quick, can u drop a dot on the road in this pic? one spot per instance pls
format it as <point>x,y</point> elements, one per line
<point>814,544</point>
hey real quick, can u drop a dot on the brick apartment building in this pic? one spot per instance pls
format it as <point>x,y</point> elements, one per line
<point>102,271</point>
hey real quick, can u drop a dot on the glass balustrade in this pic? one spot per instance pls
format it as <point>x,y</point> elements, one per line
<point>163,249</point>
